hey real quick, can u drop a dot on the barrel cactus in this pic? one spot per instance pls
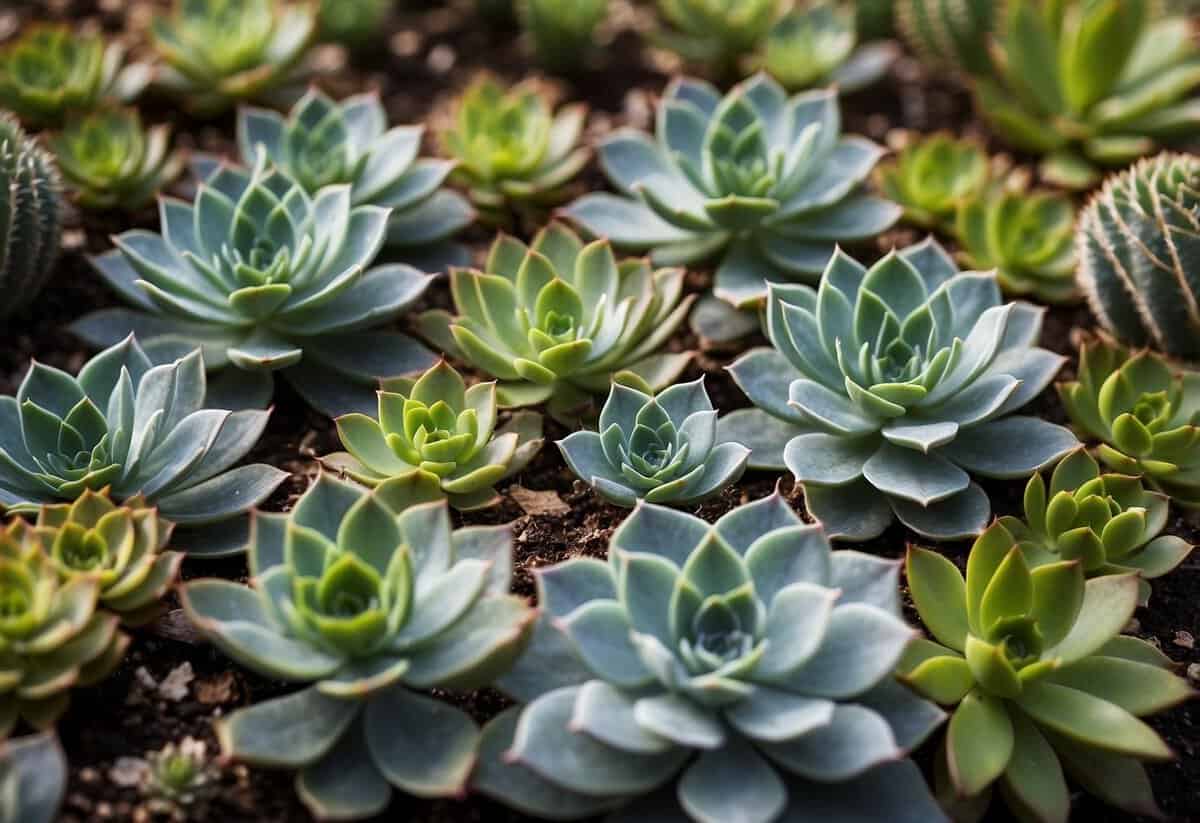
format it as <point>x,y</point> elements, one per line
<point>736,671</point>
<point>888,388</point>
<point>33,779</point>
<point>931,177</point>
<point>1135,239</point>
<point>31,214</point>
<point>948,34</point>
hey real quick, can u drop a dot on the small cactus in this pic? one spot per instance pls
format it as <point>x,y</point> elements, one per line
<point>31,208</point>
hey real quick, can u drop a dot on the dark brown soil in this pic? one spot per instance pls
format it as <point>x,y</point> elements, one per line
<point>424,58</point>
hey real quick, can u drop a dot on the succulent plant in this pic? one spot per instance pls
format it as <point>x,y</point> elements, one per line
<point>1041,680</point>
<point>441,434</point>
<point>1109,523</point>
<point>324,143</point>
<point>111,161</point>
<point>873,19</point>
<point>554,321</point>
<point>931,177</point>
<point>513,151</point>
<point>221,52</point>
<point>1135,238</point>
<point>562,33</point>
<point>819,46</point>
<point>365,605</point>
<point>179,774</point>
<point>1090,83</point>
<point>658,448</point>
<point>139,429</point>
<point>1028,238</point>
<point>744,658</point>
<point>717,33</point>
<point>1144,412</point>
<point>33,779</point>
<point>52,638</point>
<point>31,214</point>
<point>889,387</point>
<point>353,23</point>
<point>948,34</point>
<point>52,70</point>
<point>766,184</point>
<point>262,277</point>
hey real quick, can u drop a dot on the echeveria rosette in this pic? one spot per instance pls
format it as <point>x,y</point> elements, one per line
<point>889,387</point>
<point>555,320</point>
<point>51,70</point>
<point>931,177</point>
<point>140,430</point>
<point>33,779</point>
<point>1028,238</point>
<point>1091,84</point>
<point>52,637</point>
<point>321,142</point>
<point>1041,681</point>
<point>110,161</point>
<point>1145,414</point>
<point>765,184</point>
<point>716,33</point>
<point>442,435</point>
<point>736,671</point>
<point>658,448</point>
<point>819,46</point>
<point>263,277</point>
<point>365,606</point>
<point>1108,522</point>
<point>217,53</point>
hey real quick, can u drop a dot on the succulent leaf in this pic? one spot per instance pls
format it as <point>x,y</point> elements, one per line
<point>33,778</point>
<point>819,46</point>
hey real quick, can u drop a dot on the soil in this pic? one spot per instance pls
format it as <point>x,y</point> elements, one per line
<point>425,56</point>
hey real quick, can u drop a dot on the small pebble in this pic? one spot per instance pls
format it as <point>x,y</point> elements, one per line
<point>1184,639</point>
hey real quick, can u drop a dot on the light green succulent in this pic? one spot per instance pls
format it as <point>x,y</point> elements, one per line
<point>1041,681</point>
<point>716,33</point>
<point>365,606</point>
<point>1108,522</point>
<point>514,153</point>
<point>142,431</point>
<point>931,177</point>
<point>52,70</point>
<point>354,23</point>
<point>52,638</point>
<point>765,184</point>
<point>888,388</point>
<point>554,321</point>
<point>325,143</point>
<point>658,448</point>
<point>220,52</point>
<point>1090,83</point>
<point>440,434</point>
<point>33,779</point>
<point>1028,238</point>
<point>1136,240</point>
<point>31,216</point>
<point>179,775</point>
<point>1144,412</point>
<point>562,34</point>
<point>948,34</point>
<point>737,671</point>
<point>110,161</point>
<point>818,46</point>
<point>263,278</point>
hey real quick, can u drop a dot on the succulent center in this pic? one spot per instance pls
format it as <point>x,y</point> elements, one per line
<point>322,162</point>
<point>80,550</point>
<point>16,593</point>
<point>899,362</point>
<point>1020,639</point>
<point>1152,407</point>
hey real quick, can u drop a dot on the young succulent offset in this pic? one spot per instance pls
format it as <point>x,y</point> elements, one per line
<point>738,671</point>
<point>948,34</point>
<point>110,161</point>
<point>888,388</point>
<point>562,33</point>
<point>440,434</point>
<point>1144,412</point>
<point>366,606</point>
<point>321,143</point>
<point>1091,83</point>
<point>766,184</point>
<point>513,151</point>
<point>1107,522</point>
<point>554,321</point>
<point>263,278</point>
<point>31,215</point>
<point>179,775</point>
<point>658,448</point>
<point>51,70</point>
<point>818,46</point>
<point>1028,238</point>
<point>138,429</point>
<point>221,52</point>
<point>931,177</point>
<point>1041,680</point>
<point>1135,239</point>
<point>33,779</point>
<point>716,33</point>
